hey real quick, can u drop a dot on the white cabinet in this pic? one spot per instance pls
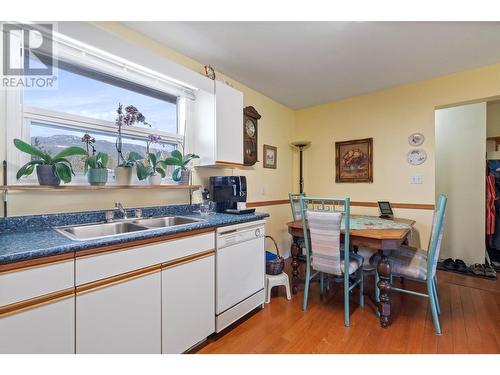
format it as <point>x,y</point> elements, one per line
<point>37,309</point>
<point>188,304</point>
<point>229,124</point>
<point>46,329</point>
<point>216,133</point>
<point>122,317</point>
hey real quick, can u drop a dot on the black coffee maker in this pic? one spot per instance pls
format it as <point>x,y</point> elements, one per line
<point>227,191</point>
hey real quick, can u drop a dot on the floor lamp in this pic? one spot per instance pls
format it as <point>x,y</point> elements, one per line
<point>301,145</point>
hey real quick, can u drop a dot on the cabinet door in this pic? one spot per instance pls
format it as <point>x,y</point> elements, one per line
<point>123,317</point>
<point>188,304</point>
<point>229,123</point>
<point>46,329</point>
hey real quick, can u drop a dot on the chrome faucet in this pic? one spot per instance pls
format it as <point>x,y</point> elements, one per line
<point>120,208</point>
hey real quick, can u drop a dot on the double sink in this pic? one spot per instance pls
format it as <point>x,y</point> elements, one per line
<point>102,230</point>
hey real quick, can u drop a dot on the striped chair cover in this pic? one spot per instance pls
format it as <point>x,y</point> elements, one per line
<point>327,253</point>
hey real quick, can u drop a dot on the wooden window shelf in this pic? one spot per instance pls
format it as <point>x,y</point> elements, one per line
<point>105,187</point>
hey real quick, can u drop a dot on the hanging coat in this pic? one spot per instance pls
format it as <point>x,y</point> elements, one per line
<point>490,204</point>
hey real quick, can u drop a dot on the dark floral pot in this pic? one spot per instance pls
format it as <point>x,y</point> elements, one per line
<point>98,176</point>
<point>46,176</point>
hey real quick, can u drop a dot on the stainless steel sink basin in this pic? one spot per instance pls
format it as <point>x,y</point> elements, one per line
<point>93,231</point>
<point>168,221</point>
<point>100,230</point>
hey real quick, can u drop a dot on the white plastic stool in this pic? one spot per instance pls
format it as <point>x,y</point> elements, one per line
<point>277,280</point>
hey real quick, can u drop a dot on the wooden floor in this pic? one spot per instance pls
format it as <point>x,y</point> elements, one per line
<point>470,320</point>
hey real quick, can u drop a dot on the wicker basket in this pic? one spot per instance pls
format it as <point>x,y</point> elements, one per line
<point>275,266</point>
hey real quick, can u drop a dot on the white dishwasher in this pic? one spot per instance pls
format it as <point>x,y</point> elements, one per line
<point>240,271</point>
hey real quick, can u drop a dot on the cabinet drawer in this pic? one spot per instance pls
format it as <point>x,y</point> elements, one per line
<point>96,267</point>
<point>33,282</point>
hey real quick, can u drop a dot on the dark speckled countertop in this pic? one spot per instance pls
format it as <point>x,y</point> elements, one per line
<point>29,237</point>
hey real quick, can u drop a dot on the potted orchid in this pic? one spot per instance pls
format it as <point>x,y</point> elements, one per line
<point>150,167</point>
<point>127,117</point>
<point>182,172</point>
<point>96,164</point>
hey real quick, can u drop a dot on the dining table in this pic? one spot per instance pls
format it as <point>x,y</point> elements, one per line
<point>382,235</point>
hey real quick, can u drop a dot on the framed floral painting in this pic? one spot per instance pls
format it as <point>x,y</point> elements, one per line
<point>354,160</point>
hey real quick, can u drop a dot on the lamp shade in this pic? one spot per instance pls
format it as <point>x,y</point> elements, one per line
<point>301,144</point>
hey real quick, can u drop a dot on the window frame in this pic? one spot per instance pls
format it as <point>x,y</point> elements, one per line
<point>19,117</point>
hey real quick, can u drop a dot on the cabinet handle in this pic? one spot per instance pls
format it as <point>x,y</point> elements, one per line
<point>113,280</point>
<point>188,259</point>
<point>31,303</point>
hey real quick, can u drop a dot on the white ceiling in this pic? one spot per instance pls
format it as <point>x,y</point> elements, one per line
<point>306,63</point>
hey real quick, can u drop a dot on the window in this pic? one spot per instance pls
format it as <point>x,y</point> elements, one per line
<point>96,95</point>
<point>85,102</point>
<point>52,139</point>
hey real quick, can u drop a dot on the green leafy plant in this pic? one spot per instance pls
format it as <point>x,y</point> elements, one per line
<point>180,161</point>
<point>61,166</point>
<point>150,166</point>
<point>132,158</point>
<point>97,161</point>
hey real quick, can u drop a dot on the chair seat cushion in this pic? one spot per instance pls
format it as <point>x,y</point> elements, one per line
<point>406,262</point>
<point>324,264</point>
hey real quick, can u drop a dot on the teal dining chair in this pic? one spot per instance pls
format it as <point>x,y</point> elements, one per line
<point>295,205</point>
<point>321,221</point>
<point>420,265</point>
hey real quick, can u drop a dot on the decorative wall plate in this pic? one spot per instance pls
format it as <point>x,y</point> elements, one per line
<point>416,139</point>
<point>416,156</point>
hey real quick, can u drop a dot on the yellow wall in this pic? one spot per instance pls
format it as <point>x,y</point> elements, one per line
<point>389,116</point>
<point>493,119</point>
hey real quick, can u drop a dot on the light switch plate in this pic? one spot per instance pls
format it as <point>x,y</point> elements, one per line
<point>416,179</point>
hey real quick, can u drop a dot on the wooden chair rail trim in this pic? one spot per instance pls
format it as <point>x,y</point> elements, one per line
<point>268,203</point>
<point>187,259</point>
<point>412,206</point>
<point>117,279</point>
<point>32,303</point>
<point>139,243</point>
<point>37,262</point>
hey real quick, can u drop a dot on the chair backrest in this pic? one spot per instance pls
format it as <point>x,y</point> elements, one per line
<point>295,205</point>
<point>436,235</point>
<point>321,222</point>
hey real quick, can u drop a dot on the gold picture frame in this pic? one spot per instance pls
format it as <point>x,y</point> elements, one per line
<point>270,156</point>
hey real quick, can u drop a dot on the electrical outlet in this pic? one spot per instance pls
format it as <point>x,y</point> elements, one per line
<point>416,179</point>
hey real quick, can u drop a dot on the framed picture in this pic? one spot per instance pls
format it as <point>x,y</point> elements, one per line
<point>270,156</point>
<point>354,160</point>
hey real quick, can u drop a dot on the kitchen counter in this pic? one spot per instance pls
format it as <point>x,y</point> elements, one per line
<point>29,237</point>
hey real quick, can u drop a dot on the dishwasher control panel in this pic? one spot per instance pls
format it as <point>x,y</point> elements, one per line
<point>234,234</point>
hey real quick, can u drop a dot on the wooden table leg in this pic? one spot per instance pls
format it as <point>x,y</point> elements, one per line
<point>295,250</point>
<point>384,285</point>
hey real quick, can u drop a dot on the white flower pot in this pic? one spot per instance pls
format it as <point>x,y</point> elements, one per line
<point>123,176</point>
<point>155,179</point>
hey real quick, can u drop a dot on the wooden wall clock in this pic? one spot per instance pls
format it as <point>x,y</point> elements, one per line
<point>250,119</point>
